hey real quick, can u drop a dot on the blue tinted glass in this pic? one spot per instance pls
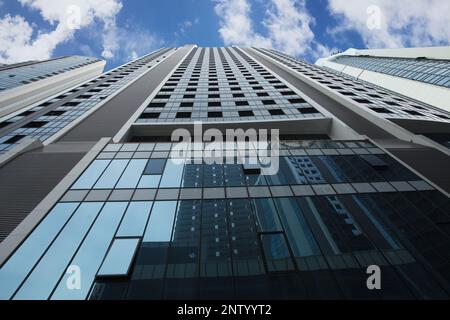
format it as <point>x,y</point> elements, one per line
<point>300,236</point>
<point>160,225</point>
<point>119,258</point>
<point>149,182</point>
<point>173,174</point>
<point>54,263</point>
<point>92,251</point>
<point>193,176</point>
<point>91,175</point>
<point>155,167</point>
<point>276,253</point>
<point>266,215</point>
<point>132,174</point>
<point>135,220</point>
<point>109,178</point>
<point>19,265</point>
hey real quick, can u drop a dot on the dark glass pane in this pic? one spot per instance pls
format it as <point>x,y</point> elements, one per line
<point>155,167</point>
<point>276,253</point>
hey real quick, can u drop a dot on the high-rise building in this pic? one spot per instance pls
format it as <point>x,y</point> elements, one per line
<point>419,73</point>
<point>23,84</point>
<point>107,207</point>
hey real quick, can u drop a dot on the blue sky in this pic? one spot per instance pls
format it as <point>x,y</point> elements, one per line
<point>119,30</point>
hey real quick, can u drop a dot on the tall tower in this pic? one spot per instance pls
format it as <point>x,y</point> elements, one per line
<point>294,179</point>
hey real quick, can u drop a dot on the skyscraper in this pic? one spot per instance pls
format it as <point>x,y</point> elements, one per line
<point>419,73</point>
<point>23,84</point>
<point>120,213</point>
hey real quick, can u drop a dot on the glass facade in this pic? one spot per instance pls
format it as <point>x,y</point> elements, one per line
<point>140,225</point>
<point>12,76</point>
<point>224,84</point>
<point>436,72</point>
<point>50,117</point>
<point>384,103</point>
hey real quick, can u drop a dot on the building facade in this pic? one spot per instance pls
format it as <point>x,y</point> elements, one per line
<point>23,84</point>
<point>126,215</point>
<point>419,73</point>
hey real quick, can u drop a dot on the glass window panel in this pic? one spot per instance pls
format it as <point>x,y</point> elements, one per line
<point>132,174</point>
<point>109,178</point>
<point>184,251</point>
<point>91,175</point>
<point>54,263</point>
<point>160,225</point>
<point>215,246</point>
<point>276,253</point>
<point>155,167</point>
<point>234,175</point>
<point>173,174</point>
<point>149,182</point>
<point>119,259</point>
<point>92,251</point>
<point>245,248</point>
<point>266,215</point>
<point>133,224</point>
<point>193,176</point>
<point>213,176</point>
<point>297,230</point>
<point>15,270</point>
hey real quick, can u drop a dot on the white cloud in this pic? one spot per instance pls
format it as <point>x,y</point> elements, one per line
<point>287,24</point>
<point>401,23</point>
<point>25,42</point>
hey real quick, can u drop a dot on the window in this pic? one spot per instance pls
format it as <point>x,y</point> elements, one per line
<point>183,115</point>
<point>215,115</point>
<point>276,112</point>
<point>413,113</point>
<point>295,101</point>
<point>391,103</point>
<point>214,104</point>
<point>119,259</point>
<point>262,94</point>
<point>214,96</point>
<point>238,95</point>
<point>90,176</point>
<point>268,102</point>
<point>135,219</point>
<point>14,139</point>
<point>173,174</point>
<point>55,113</point>
<point>14,271</point>
<point>160,224</point>
<point>381,110</point>
<point>150,115</point>
<point>155,167</point>
<point>241,103</point>
<point>132,174</point>
<point>307,110</point>
<point>345,93</point>
<point>162,96</point>
<point>111,175</point>
<point>246,113</point>
<point>35,124</point>
<point>189,96</point>
<point>277,257</point>
<point>186,105</point>
<point>59,255</point>
<point>363,101</point>
<point>156,105</point>
<point>94,248</point>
